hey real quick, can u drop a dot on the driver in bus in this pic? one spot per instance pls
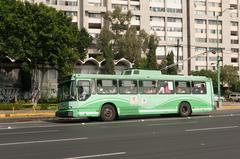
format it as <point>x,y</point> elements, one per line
<point>82,93</point>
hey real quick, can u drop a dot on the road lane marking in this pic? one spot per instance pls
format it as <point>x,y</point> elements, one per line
<point>29,132</point>
<point>41,141</point>
<point>176,123</point>
<point>99,155</point>
<point>214,128</point>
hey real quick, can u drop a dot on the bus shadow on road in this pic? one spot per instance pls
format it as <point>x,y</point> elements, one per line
<point>123,118</point>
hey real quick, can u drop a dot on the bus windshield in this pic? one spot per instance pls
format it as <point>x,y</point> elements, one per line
<point>67,91</point>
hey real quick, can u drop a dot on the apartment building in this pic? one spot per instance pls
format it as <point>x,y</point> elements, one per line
<point>186,27</point>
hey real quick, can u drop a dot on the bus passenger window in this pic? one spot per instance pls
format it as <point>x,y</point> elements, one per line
<point>106,86</point>
<point>165,87</point>
<point>128,87</point>
<point>182,87</point>
<point>147,87</point>
<point>199,87</point>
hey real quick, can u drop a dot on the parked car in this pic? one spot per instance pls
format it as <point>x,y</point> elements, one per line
<point>235,96</point>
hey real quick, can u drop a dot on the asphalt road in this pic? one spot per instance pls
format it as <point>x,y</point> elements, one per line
<point>198,137</point>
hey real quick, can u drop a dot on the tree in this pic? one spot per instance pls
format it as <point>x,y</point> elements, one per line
<point>83,42</point>
<point>118,22</point>
<point>163,65</point>
<point>229,75</point>
<point>105,46</point>
<point>39,34</point>
<point>170,61</point>
<point>151,58</point>
<point>207,73</point>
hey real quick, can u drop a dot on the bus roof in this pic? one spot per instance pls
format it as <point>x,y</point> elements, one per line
<point>148,75</point>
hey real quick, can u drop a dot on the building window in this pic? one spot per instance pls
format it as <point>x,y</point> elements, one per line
<point>234,60</point>
<point>233,41</point>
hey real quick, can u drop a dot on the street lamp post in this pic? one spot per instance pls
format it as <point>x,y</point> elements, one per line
<point>219,58</point>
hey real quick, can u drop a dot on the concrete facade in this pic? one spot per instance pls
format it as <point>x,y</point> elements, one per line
<point>192,22</point>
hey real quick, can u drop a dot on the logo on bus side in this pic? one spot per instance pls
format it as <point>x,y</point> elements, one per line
<point>133,100</point>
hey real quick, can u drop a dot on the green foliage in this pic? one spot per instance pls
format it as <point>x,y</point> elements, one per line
<point>105,46</point>
<point>207,73</point>
<point>130,47</point>
<point>142,63</point>
<point>119,20</point>
<point>11,106</point>
<point>20,106</point>
<point>104,40</point>
<point>236,87</point>
<point>83,42</point>
<point>38,33</point>
<point>229,75</point>
<point>163,65</point>
<point>151,58</point>
<point>170,61</point>
<point>129,44</point>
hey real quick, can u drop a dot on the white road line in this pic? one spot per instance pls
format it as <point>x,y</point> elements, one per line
<point>214,128</point>
<point>41,141</point>
<point>99,155</point>
<point>176,123</point>
<point>29,132</point>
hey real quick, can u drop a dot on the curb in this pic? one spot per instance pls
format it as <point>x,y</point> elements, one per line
<point>16,115</point>
<point>229,107</point>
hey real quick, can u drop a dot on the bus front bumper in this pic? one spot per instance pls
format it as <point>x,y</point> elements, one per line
<point>64,114</point>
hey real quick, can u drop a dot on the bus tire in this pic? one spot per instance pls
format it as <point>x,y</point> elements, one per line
<point>108,113</point>
<point>184,109</point>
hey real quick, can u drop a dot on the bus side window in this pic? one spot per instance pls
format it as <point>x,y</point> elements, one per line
<point>165,87</point>
<point>127,86</point>
<point>107,86</point>
<point>147,87</point>
<point>199,87</point>
<point>182,87</point>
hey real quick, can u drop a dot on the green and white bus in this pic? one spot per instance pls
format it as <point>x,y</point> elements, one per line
<point>135,92</point>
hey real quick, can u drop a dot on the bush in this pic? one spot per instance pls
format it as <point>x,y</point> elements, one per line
<point>17,106</point>
<point>10,106</point>
<point>47,100</point>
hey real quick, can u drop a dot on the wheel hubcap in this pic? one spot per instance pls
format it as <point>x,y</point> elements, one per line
<point>184,109</point>
<point>108,113</point>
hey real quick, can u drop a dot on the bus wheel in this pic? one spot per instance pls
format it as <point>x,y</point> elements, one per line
<point>108,113</point>
<point>184,109</point>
